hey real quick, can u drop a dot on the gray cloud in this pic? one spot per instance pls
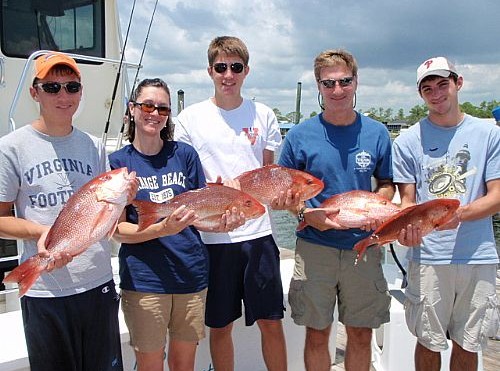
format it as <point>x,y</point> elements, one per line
<point>388,38</point>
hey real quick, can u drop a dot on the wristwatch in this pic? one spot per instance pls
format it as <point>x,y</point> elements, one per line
<point>300,214</point>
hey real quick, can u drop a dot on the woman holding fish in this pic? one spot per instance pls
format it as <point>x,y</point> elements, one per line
<point>451,276</point>
<point>163,267</point>
<point>344,149</point>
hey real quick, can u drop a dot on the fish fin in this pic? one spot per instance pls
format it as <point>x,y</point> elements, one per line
<point>25,274</point>
<point>356,211</point>
<point>102,216</point>
<point>301,226</point>
<point>112,230</point>
<point>146,212</point>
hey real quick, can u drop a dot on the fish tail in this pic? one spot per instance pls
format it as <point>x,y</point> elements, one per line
<point>362,245</point>
<point>146,212</point>
<point>26,274</point>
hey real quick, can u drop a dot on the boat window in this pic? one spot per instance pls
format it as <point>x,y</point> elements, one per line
<point>72,26</point>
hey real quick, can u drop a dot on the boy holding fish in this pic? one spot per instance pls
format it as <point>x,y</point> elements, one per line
<point>344,149</point>
<point>233,135</point>
<point>70,314</point>
<point>451,277</point>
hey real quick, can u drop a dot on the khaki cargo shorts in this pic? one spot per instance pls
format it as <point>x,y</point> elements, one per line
<point>149,317</point>
<point>322,274</point>
<point>455,299</point>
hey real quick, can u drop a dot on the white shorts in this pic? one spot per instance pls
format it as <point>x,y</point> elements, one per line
<point>455,301</point>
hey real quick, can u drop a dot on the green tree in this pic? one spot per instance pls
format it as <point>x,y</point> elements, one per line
<point>401,115</point>
<point>380,114</point>
<point>291,117</point>
<point>280,116</point>
<point>482,111</point>
<point>416,113</point>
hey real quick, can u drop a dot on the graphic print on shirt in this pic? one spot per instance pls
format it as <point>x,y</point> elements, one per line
<point>59,169</point>
<point>251,134</point>
<point>447,176</point>
<point>152,183</point>
<point>363,160</point>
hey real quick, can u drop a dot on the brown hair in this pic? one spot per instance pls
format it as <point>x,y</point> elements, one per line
<point>61,70</point>
<point>453,76</point>
<point>167,133</point>
<point>228,45</point>
<point>335,57</point>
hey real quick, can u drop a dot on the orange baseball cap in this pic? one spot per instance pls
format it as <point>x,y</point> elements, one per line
<point>44,63</point>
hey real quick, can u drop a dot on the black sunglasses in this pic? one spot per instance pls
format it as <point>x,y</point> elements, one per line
<point>71,87</point>
<point>235,67</point>
<point>330,83</point>
<point>150,108</point>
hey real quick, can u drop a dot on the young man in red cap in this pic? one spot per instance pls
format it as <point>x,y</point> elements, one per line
<point>451,276</point>
<point>70,314</point>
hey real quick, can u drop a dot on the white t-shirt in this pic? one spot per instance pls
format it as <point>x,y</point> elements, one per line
<point>230,143</point>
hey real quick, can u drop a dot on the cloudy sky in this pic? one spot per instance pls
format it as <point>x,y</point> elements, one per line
<point>388,38</point>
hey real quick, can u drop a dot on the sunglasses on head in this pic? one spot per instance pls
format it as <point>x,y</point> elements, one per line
<point>150,108</point>
<point>235,67</point>
<point>330,83</point>
<point>71,87</point>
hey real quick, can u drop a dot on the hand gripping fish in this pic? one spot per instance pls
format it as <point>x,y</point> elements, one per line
<point>89,215</point>
<point>426,216</point>
<point>267,182</point>
<point>209,203</point>
<point>357,207</point>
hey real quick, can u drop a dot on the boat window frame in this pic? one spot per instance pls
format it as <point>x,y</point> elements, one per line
<point>40,36</point>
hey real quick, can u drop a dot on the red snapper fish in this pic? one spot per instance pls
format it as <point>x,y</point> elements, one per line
<point>209,203</point>
<point>357,207</point>
<point>427,216</point>
<point>90,214</point>
<point>267,182</point>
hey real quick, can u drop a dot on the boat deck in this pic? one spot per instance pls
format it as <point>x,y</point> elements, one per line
<point>395,337</point>
<point>491,356</point>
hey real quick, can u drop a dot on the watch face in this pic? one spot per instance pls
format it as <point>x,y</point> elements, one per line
<point>300,214</point>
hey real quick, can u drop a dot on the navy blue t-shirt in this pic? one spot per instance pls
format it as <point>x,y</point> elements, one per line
<point>176,264</point>
<point>345,158</point>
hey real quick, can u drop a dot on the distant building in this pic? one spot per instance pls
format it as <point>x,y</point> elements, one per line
<point>285,126</point>
<point>396,126</point>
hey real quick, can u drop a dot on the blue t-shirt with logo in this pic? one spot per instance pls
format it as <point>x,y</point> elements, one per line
<point>176,264</point>
<point>345,158</point>
<point>451,162</point>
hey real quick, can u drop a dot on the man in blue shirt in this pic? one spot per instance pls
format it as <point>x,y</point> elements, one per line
<point>344,149</point>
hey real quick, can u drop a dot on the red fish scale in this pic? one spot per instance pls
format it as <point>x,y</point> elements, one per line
<point>267,182</point>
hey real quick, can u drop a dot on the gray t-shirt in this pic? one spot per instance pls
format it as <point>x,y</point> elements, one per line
<point>39,173</point>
